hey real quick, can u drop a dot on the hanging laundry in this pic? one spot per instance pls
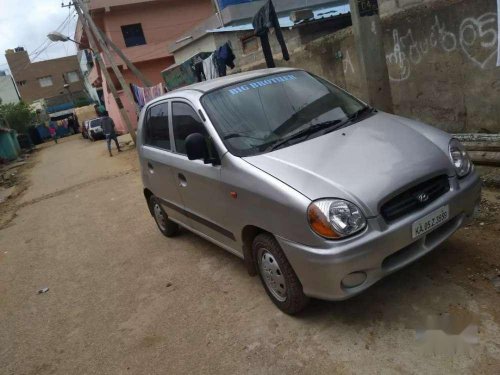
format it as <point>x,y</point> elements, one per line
<point>225,57</point>
<point>143,95</point>
<point>198,69</point>
<point>210,67</point>
<point>264,19</point>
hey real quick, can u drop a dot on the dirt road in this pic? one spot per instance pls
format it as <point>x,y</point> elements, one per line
<point>123,299</point>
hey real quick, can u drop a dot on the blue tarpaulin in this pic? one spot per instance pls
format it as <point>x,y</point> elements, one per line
<point>43,131</point>
<point>61,131</point>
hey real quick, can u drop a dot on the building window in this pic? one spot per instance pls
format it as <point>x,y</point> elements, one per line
<point>73,77</point>
<point>133,35</point>
<point>249,43</point>
<point>21,83</point>
<point>45,81</point>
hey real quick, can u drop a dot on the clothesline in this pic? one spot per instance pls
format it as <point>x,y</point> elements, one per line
<point>143,95</point>
<point>215,65</point>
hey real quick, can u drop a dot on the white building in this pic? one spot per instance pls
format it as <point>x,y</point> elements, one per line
<point>8,89</point>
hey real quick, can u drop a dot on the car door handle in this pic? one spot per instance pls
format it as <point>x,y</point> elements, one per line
<point>150,167</point>
<point>182,180</point>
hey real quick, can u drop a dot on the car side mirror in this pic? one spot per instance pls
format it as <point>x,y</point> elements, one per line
<point>196,147</point>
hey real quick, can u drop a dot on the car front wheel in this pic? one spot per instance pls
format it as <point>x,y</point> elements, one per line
<point>277,275</point>
<point>167,227</point>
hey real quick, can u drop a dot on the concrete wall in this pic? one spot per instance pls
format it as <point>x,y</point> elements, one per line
<point>206,43</point>
<point>390,7</point>
<point>441,56</point>
<point>332,57</point>
<point>210,41</point>
<point>442,61</point>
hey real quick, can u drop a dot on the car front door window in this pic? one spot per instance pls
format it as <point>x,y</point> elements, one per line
<point>185,121</point>
<point>157,131</point>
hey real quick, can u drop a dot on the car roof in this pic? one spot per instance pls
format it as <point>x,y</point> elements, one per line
<point>216,83</point>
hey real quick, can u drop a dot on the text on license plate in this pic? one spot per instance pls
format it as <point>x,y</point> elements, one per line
<point>431,221</point>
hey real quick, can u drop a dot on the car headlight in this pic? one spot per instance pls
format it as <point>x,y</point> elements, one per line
<point>335,218</point>
<point>459,158</point>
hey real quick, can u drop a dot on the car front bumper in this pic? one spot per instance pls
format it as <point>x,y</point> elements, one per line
<point>96,133</point>
<point>382,248</point>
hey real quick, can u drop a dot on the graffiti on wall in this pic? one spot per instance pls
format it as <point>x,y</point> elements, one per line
<point>476,38</point>
<point>347,62</point>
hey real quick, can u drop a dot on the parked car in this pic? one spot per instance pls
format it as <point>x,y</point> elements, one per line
<point>320,194</point>
<point>95,129</point>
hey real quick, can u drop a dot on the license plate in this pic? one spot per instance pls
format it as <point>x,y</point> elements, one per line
<point>430,222</point>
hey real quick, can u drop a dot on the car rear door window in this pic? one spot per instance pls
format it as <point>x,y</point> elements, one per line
<point>185,121</point>
<point>157,132</point>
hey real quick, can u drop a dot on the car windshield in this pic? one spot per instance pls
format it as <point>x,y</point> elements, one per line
<point>95,123</point>
<point>257,115</point>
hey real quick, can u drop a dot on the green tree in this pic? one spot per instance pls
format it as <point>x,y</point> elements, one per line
<point>18,116</point>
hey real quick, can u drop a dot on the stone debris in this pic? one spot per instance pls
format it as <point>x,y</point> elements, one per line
<point>6,193</point>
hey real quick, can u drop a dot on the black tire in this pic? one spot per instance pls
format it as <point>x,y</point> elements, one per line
<point>288,296</point>
<point>168,228</point>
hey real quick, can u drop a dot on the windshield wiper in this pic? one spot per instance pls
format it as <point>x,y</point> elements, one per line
<point>304,132</point>
<point>359,112</point>
<point>238,135</point>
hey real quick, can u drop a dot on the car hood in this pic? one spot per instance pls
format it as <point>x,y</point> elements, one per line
<point>366,163</point>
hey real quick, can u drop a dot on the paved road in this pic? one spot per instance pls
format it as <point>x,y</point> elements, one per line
<point>123,299</point>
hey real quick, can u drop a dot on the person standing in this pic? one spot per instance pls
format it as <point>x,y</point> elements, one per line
<point>52,131</point>
<point>108,127</point>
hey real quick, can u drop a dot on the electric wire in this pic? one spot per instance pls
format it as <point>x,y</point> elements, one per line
<point>46,44</point>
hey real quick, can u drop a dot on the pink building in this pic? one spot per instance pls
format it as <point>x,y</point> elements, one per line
<point>143,29</point>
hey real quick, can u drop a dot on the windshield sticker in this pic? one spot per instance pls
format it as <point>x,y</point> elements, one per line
<point>263,83</point>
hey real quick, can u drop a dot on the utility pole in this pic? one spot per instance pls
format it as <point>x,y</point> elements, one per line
<point>104,70</point>
<point>146,82</point>
<point>371,53</point>
<point>107,54</point>
<point>219,13</point>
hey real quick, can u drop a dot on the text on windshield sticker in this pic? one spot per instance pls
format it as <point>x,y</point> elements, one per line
<point>258,84</point>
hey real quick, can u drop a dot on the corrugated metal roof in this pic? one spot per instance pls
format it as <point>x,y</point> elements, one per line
<point>286,22</point>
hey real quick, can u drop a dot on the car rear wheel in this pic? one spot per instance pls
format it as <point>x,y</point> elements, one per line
<point>277,275</point>
<point>167,227</point>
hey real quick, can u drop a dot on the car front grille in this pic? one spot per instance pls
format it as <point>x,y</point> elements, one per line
<point>415,198</point>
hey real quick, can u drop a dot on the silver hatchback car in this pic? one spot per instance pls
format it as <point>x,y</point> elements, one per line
<point>318,193</point>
